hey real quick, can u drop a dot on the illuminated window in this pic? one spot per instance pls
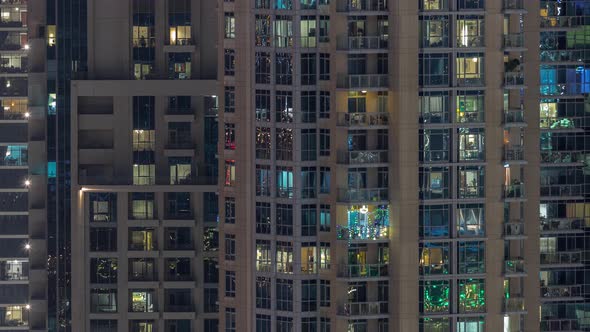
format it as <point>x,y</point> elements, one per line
<point>435,296</point>
<point>470,107</point>
<point>262,30</point>
<point>471,144</point>
<point>309,257</point>
<point>142,239</point>
<point>308,29</point>
<point>470,220</point>
<point>470,69</point>
<point>230,26</point>
<point>434,258</point>
<point>263,256</point>
<point>433,4</point>
<point>230,136</point>
<point>144,174</point>
<point>230,173</point>
<point>141,300</point>
<point>103,207</point>
<point>470,31</point>
<point>284,182</point>
<point>325,255</point>
<point>180,35</point>
<point>471,294</point>
<point>434,31</point>
<point>142,206</point>
<point>283,31</point>
<point>284,257</point>
<point>471,182</point>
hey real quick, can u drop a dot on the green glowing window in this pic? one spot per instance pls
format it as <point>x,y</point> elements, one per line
<point>470,324</point>
<point>435,324</point>
<point>434,296</point>
<point>471,294</point>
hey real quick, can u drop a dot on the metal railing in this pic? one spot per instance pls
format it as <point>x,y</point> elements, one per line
<point>363,157</point>
<point>563,257</point>
<point>158,180</point>
<point>362,43</point>
<point>514,153</point>
<point>363,119</point>
<point>363,195</point>
<point>513,304</point>
<point>558,190</point>
<point>514,266</point>
<point>514,228</point>
<point>363,308</point>
<point>513,40</point>
<point>363,81</point>
<point>561,224</point>
<point>561,291</point>
<point>363,270</point>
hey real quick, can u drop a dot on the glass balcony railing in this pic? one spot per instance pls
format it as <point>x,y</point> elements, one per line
<point>514,266</point>
<point>514,228</point>
<point>514,304</point>
<point>516,190</point>
<point>558,291</point>
<point>513,40</point>
<point>513,116</point>
<point>363,271</point>
<point>359,43</point>
<point>561,224</point>
<point>363,195</point>
<point>363,81</point>
<point>513,4</point>
<point>560,190</point>
<point>562,157</point>
<point>560,325</point>
<point>363,157</point>
<point>513,79</point>
<point>363,119</point>
<point>561,258</point>
<point>361,6</point>
<point>360,309</point>
<point>363,232</point>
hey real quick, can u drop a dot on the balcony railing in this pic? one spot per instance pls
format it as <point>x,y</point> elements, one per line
<point>180,111</point>
<point>514,228</point>
<point>514,40</point>
<point>560,190</point>
<point>363,195</point>
<point>514,153</point>
<point>363,309</point>
<point>363,81</point>
<point>178,246</point>
<point>361,6</point>
<point>560,325</point>
<point>559,258</point>
<point>513,4</point>
<point>362,157</point>
<point>354,43</point>
<point>514,191</point>
<point>562,157</point>
<point>364,271</point>
<point>512,116</point>
<point>178,308</point>
<point>514,266</point>
<point>363,119</point>
<point>514,304</point>
<point>558,291</point>
<point>127,181</point>
<point>181,145</point>
<point>513,78</point>
<point>561,224</point>
<point>363,232</point>
<point>561,22</point>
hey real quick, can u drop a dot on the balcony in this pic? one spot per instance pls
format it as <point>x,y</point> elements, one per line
<point>514,230</point>
<point>558,158</point>
<point>362,7</point>
<point>563,258</point>
<point>514,191</point>
<point>363,233</point>
<point>514,155</point>
<point>514,305</point>
<point>514,267</point>
<point>104,180</point>
<point>514,118</point>
<point>514,80</point>
<point>514,7</point>
<point>378,120</point>
<point>360,195</point>
<point>365,310</point>
<point>363,44</point>
<point>363,271</point>
<point>562,190</point>
<point>513,42</point>
<point>560,325</point>
<point>561,292</point>
<point>364,82</point>
<point>179,308</point>
<point>561,22</point>
<point>375,157</point>
<point>561,225</point>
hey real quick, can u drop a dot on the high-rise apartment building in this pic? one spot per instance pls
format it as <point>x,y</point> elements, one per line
<point>301,165</point>
<point>14,182</point>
